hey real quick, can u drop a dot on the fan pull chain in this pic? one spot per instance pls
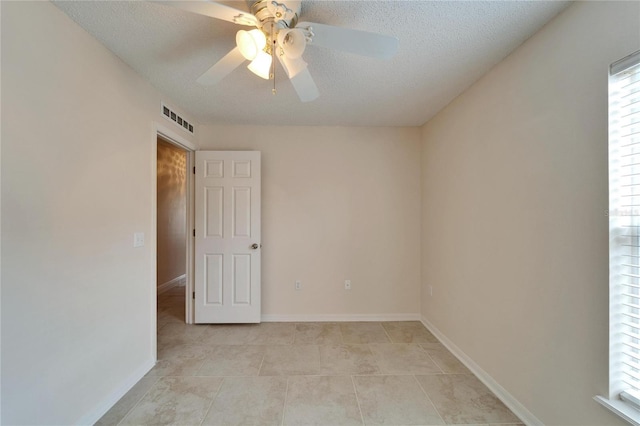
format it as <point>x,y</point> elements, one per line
<point>273,61</point>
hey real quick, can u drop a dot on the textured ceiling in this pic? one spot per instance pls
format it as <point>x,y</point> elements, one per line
<point>444,47</point>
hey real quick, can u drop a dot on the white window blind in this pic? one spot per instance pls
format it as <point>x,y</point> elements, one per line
<point>624,229</point>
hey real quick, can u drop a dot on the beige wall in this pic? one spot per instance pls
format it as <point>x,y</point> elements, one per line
<point>337,203</point>
<point>514,232</point>
<point>172,212</point>
<point>514,237</point>
<point>77,182</point>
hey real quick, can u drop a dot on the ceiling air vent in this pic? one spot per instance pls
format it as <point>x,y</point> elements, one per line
<point>169,114</point>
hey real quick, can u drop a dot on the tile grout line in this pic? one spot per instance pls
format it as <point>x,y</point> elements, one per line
<point>138,401</point>
<point>432,360</point>
<point>429,399</point>
<point>212,400</point>
<point>376,362</point>
<point>295,333</point>
<point>264,355</point>
<point>386,333</point>
<point>469,373</point>
<point>320,375</point>
<point>284,404</point>
<point>355,390</point>
<point>197,373</point>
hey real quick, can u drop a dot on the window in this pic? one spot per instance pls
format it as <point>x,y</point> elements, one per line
<point>624,239</point>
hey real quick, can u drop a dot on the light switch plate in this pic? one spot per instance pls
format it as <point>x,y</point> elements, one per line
<point>138,239</point>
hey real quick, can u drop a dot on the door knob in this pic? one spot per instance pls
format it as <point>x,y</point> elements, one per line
<point>255,246</point>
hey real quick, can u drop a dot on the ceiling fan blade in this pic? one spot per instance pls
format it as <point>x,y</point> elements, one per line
<point>222,68</point>
<point>215,10</point>
<point>353,41</point>
<point>292,66</point>
<point>305,86</point>
<point>300,77</point>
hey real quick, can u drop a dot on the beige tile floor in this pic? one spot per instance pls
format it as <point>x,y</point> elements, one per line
<point>390,373</point>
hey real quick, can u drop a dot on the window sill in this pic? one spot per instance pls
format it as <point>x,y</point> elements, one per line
<point>621,409</point>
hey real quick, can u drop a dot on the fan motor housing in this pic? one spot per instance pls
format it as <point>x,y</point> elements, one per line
<point>262,9</point>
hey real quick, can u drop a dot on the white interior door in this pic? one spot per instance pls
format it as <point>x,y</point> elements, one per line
<point>227,243</point>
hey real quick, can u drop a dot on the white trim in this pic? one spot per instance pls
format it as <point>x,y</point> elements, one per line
<point>164,287</point>
<point>174,137</point>
<point>106,404</point>
<point>190,147</point>
<point>621,409</point>
<point>191,240</point>
<point>153,332</point>
<point>339,317</point>
<point>509,400</point>
<point>1,265</point>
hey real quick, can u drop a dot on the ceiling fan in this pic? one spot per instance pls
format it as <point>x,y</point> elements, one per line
<point>279,34</point>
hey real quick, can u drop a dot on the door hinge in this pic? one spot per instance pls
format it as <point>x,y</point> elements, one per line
<point>194,170</point>
<point>194,294</point>
<point>194,232</point>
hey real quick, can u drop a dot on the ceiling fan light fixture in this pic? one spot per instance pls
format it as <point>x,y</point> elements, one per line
<point>293,42</point>
<point>261,65</point>
<point>250,43</point>
<point>280,35</point>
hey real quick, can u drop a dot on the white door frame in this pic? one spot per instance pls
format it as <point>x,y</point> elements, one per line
<point>159,130</point>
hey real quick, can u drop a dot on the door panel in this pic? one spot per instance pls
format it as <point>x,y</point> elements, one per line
<point>213,279</point>
<point>241,212</point>
<point>241,279</point>
<point>213,211</point>
<point>227,242</point>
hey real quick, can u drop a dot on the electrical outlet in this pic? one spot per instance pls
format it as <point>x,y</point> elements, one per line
<point>298,285</point>
<point>347,284</point>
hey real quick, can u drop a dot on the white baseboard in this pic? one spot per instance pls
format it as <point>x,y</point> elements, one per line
<point>171,284</point>
<point>512,403</point>
<point>106,404</point>
<point>339,317</point>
